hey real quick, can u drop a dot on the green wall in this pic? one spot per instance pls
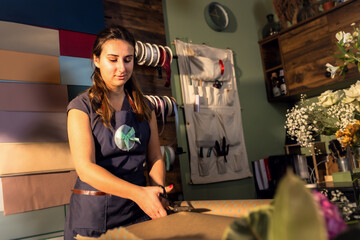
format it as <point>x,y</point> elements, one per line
<point>263,122</point>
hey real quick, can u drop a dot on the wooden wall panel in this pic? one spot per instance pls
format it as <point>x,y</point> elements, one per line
<point>145,20</point>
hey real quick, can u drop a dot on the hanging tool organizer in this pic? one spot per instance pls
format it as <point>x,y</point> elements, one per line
<point>212,111</point>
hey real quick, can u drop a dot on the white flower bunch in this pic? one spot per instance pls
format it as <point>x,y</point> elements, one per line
<point>337,197</point>
<point>324,115</point>
<point>301,122</point>
<point>349,47</point>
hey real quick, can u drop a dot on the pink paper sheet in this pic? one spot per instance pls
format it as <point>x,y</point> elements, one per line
<point>33,192</point>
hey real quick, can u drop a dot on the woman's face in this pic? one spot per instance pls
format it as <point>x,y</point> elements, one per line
<point>116,63</point>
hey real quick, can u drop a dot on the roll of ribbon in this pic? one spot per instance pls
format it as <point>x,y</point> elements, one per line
<point>162,149</point>
<point>176,115</point>
<point>172,155</point>
<point>162,56</point>
<point>156,54</point>
<point>139,50</point>
<point>161,112</point>
<point>166,66</point>
<point>150,56</point>
<point>154,102</point>
<point>167,159</point>
<point>170,106</point>
<point>168,50</point>
<point>150,100</point>
<point>144,55</point>
<point>166,107</point>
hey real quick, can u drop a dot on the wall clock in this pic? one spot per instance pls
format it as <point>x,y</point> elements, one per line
<point>216,16</point>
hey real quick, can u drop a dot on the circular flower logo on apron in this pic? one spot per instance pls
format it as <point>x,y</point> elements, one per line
<point>125,137</point>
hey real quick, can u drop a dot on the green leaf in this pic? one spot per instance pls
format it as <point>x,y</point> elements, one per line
<point>252,227</point>
<point>328,131</point>
<point>357,115</point>
<point>341,48</point>
<point>296,215</point>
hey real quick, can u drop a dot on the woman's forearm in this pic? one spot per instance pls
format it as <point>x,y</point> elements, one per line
<point>157,173</point>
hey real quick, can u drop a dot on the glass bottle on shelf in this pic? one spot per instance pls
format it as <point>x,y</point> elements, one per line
<point>282,82</point>
<point>271,27</point>
<point>275,84</point>
<point>306,12</point>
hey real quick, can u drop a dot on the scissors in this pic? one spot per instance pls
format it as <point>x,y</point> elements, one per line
<point>175,206</point>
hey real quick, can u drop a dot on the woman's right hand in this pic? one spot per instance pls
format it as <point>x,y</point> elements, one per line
<point>148,200</point>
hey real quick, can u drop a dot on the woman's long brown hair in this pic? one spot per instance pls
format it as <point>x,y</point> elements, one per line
<point>99,93</point>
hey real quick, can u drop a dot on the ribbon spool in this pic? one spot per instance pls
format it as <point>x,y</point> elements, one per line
<point>168,61</point>
<point>162,56</point>
<point>170,54</point>
<point>164,106</point>
<point>149,55</point>
<point>168,154</point>
<point>156,53</point>
<point>139,51</point>
<point>154,56</point>
<point>169,105</point>
<point>145,55</point>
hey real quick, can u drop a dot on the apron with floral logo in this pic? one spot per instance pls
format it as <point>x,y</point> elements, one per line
<point>122,152</point>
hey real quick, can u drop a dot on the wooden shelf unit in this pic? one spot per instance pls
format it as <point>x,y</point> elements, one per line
<point>303,50</point>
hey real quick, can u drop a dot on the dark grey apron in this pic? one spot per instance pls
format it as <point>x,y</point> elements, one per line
<point>93,215</point>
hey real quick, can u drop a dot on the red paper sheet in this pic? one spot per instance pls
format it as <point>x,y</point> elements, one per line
<point>76,44</point>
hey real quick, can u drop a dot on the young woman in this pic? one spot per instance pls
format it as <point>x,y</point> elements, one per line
<point>112,131</point>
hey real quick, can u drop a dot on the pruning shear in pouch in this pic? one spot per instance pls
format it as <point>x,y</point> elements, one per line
<point>224,151</point>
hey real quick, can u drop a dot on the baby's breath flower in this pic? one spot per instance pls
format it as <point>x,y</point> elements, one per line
<point>331,113</point>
